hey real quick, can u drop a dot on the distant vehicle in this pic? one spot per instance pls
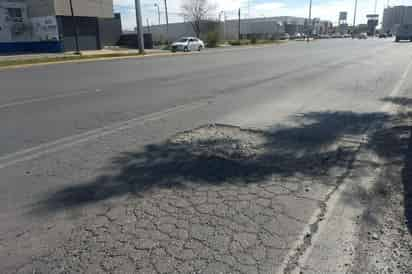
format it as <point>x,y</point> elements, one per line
<point>347,35</point>
<point>284,36</point>
<point>363,35</point>
<point>382,35</point>
<point>188,44</point>
<point>404,32</point>
<point>337,35</point>
<point>296,36</point>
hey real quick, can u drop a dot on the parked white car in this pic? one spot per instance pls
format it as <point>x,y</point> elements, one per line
<point>188,44</point>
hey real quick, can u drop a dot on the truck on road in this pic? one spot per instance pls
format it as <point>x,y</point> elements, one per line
<point>404,32</point>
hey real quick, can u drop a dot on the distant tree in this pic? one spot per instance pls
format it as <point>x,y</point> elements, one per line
<point>196,11</point>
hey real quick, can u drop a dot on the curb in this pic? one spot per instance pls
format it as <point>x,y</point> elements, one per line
<point>93,59</point>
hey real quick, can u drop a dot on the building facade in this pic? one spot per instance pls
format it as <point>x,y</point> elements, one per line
<point>261,28</point>
<point>51,21</point>
<point>393,17</point>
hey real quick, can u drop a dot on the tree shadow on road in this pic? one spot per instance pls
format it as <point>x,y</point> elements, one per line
<point>407,185</point>
<point>403,146</point>
<point>222,154</point>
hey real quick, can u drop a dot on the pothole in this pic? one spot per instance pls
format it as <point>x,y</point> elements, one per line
<point>223,141</point>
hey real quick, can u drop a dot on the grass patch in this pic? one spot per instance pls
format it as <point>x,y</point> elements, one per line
<point>263,42</point>
<point>245,42</point>
<point>40,60</point>
<point>242,42</point>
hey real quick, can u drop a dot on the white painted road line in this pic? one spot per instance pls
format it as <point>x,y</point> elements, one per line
<point>48,98</point>
<point>67,142</point>
<point>388,107</point>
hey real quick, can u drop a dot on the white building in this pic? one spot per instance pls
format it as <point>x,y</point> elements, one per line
<point>51,20</point>
<point>229,30</point>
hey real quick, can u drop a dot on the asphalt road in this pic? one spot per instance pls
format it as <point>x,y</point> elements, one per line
<point>65,129</point>
<point>40,105</point>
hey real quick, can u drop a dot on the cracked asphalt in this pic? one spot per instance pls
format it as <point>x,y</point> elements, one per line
<point>235,179</point>
<point>243,223</point>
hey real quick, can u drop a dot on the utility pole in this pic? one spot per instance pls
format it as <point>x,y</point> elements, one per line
<point>310,20</point>
<point>139,26</point>
<point>167,23</point>
<point>148,24</point>
<point>224,23</point>
<point>354,18</point>
<point>239,24</point>
<point>158,11</point>
<point>75,29</point>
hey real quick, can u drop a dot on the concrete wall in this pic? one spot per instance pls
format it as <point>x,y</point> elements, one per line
<point>25,29</point>
<point>5,33</point>
<point>14,29</point>
<point>176,30</point>
<point>90,8</point>
<point>110,30</point>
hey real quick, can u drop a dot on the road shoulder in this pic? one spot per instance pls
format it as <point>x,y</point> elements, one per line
<point>365,229</point>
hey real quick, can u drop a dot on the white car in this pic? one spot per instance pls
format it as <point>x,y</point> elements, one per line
<point>188,44</point>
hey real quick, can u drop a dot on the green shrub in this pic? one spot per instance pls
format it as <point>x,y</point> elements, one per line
<point>234,42</point>
<point>239,42</point>
<point>212,39</point>
<point>253,40</point>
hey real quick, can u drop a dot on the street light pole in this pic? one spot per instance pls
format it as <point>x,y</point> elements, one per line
<point>75,29</point>
<point>158,11</point>
<point>224,23</point>
<point>139,27</point>
<point>310,19</point>
<point>167,23</point>
<point>239,34</point>
<point>148,24</point>
<point>354,18</point>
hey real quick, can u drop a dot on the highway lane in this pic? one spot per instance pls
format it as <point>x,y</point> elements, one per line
<point>43,104</point>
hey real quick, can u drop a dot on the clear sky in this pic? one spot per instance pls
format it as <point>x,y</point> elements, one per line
<point>324,9</point>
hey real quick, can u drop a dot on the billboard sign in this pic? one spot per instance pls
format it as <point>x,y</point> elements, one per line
<point>343,16</point>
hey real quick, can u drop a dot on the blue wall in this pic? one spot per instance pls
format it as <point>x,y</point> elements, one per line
<point>31,47</point>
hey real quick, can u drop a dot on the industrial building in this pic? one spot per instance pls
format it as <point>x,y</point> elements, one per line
<point>393,17</point>
<point>47,25</point>
<point>262,28</point>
